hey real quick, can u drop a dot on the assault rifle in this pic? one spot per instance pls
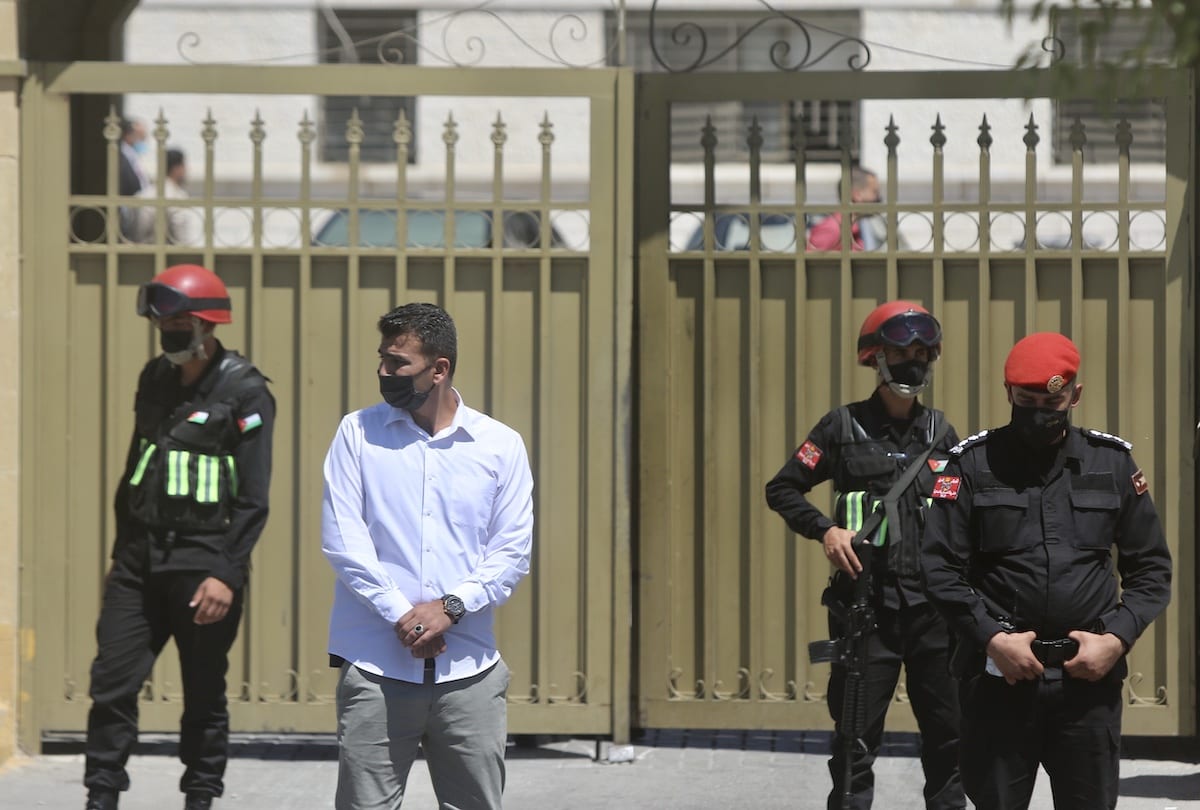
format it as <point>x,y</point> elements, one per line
<point>857,617</point>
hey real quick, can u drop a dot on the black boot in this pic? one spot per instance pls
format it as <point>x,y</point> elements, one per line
<point>198,801</point>
<point>101,800</point>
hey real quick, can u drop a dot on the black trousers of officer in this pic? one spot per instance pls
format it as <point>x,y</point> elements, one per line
<point>1071,727</point>
<point>917,637</point>
<point>138,615</point>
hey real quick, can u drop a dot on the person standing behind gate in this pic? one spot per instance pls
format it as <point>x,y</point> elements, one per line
<point>1018,556</point>
<point>865,447</point>
<point>428,523</point>
<point>865,230</point>
<point>190,507</point>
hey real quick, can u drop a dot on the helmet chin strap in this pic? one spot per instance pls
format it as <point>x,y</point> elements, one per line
<point>899,389</point>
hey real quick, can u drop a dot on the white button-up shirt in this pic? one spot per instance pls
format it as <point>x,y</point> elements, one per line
<point>407,518</point>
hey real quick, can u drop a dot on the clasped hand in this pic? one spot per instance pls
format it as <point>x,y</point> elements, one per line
<point>1013,655</point>
<point>432,618</point>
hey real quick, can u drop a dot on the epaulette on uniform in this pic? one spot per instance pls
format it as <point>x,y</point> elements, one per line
<point>970,441</point>
<point>1109,438</point>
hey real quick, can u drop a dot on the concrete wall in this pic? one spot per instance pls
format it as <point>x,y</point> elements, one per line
<point>10,347</point>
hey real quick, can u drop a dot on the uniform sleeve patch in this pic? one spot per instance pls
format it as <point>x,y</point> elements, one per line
<point>809,454</point>
<point>946,487</point>
<point>937,464</point>
<point>1140,484</point>
<point>198,417</point>
<point>249,423</point>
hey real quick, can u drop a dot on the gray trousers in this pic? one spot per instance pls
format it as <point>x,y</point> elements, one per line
<point>460,725</point>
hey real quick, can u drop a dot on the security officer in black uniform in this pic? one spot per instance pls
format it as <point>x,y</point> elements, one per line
<point>865,447</point>
<point>190,507</point>
<point>1018,556</point>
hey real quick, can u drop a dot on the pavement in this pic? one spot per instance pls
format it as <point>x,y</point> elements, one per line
<point>668,770</point>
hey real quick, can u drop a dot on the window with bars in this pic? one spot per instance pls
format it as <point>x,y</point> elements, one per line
<point>1147,117</point>
<point>734,43</point>
<point>359,36</point>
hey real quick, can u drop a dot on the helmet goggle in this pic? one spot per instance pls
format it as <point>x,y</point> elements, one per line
<point>161,301</point>
<point>903,330</point>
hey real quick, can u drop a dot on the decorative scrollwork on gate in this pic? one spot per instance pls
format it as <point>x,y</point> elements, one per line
<point>692,34</point>
<point>458,38</point>
<point>1160,693</point>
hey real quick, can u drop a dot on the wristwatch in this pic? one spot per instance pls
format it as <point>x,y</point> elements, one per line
<point>454,607</point>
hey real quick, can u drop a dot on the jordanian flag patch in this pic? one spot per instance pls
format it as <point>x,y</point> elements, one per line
<point>198,417</point>
<point>249,423</point>
<point>937,465</point>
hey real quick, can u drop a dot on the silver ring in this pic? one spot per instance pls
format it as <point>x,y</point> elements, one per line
<point>419,629</point>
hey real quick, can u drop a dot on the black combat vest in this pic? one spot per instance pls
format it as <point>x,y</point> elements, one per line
<point>186,476</point>
<point>863,473</point>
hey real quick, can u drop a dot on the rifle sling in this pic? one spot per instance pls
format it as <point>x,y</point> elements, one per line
<point>891,501</point>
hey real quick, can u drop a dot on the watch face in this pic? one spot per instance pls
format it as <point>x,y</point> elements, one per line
<point>454,606</point>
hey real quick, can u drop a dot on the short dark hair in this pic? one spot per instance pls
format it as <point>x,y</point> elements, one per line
<point>431,324</point>
<point>174,159</point>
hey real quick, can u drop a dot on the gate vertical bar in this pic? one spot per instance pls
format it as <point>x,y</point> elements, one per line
<point>1078,138</point>
<point>309,535</point>
<point>1179,508</point>
<point>1031,226</point>
<point>402,136</point>
<point>753,549</point>
<point>708,490</point>
<point>496,347</point>
<point>450,219</point>
<point>623,212</point>
<point>937,305</point>
<point>656,495</point>
<point>983,310</point>
<point>256,615</point>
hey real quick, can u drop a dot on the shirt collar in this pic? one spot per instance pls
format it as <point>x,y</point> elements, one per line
<point>1075,445</point>
<point>880,412</point>
<point>463,418</point>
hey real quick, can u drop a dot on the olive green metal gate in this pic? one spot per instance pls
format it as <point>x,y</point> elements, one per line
<point>540,284</point>
<point>746,338</point>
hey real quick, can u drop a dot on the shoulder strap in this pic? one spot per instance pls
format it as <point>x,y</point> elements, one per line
<point>237,375</point>
<point>890,501</point>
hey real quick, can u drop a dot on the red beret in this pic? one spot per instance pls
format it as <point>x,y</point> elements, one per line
<point>1043,361</point>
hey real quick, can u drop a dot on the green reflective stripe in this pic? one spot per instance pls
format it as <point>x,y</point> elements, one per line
<point>856,514</point>
<point>177,473</point>
<point>208,475</point>
<point>140,469</point>
<point>233,478</point>
<point>214,479</point>
<point>854,510</point>
<point>881,535</point>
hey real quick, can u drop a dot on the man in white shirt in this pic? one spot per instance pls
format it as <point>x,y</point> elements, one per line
<point>182,224</point>
<point>428,523</point>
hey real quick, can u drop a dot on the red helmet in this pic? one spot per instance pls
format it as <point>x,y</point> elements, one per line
<point>185,288</point>
<point>898,323</point>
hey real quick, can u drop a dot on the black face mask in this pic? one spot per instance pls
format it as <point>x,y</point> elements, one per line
<point>400,392</point>
<point>1040,427</point>
<point>910,372</point>
<point>175,340</point>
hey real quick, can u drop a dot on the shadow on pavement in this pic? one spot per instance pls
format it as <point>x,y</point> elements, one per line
<point>1182,786</point>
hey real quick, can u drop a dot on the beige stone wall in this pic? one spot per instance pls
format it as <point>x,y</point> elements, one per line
<point>10,346</point>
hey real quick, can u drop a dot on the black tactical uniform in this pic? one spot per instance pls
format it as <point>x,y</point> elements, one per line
<point>1021,539</point>
<point>864,452</point>
<point>191,504</point>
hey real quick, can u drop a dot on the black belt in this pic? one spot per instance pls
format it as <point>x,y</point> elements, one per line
<point>1054,652</point>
